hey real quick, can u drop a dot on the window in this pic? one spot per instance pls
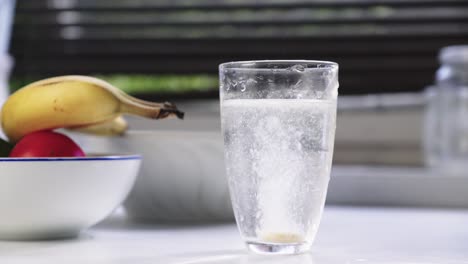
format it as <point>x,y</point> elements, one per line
<point>381,45</point>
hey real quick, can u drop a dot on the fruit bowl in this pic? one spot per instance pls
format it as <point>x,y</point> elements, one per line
<point>50,198</point>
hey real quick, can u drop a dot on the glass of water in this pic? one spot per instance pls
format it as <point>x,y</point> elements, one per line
<point>278,120</point>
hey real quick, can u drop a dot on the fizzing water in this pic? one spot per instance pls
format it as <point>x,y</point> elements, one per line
<point>279,154</point>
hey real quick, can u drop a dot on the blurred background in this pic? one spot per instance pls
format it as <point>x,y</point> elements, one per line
<point>170,50</point>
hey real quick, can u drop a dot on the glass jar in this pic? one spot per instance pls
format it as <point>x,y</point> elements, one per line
<point>446,124</point>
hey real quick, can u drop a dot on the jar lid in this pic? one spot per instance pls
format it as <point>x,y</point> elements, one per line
<point>457,54</point>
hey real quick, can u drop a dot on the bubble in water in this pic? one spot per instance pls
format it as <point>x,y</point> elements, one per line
<point>298,68</point>
<point>227,87</point>
<point>319,94</point>
<point>243,87</point>
<point>258,215</point>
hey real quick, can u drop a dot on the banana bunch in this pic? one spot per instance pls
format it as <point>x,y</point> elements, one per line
<point>75,102</point>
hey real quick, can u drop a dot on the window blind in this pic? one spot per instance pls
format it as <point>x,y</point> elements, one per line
<point>381,45</point>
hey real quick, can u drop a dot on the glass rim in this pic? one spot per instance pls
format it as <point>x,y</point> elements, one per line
<point>257,65</point>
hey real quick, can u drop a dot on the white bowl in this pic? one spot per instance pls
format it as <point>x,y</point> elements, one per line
<point>182,176</point>
<point>46,198</point>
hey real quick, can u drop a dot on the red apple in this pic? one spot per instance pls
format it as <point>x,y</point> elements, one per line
<point>46,144</point>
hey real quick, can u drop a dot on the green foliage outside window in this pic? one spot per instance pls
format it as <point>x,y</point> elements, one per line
<point>147,84</point>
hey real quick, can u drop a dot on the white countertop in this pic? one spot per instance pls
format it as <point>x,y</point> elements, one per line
<point>348,235</point>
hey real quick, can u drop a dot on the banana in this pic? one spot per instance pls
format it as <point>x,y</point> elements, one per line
<point>116,126</point>
<point>72,101</point>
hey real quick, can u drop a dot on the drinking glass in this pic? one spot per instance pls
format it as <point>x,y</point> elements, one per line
<point>278,120</point>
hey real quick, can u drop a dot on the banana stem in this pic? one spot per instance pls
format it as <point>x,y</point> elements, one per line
<point>153,110</point>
